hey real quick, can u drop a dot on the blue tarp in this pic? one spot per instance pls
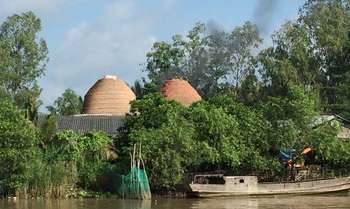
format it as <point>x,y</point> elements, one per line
<point>286,154</point>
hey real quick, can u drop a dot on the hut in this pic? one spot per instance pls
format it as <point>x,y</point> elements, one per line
<point>108,95</point>
<point>181,91</point>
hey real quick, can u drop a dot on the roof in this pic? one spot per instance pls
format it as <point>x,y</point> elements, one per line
<point>109,95</point>
<point>85,123</point>
<point>330,117</point>
<point>180,91</point>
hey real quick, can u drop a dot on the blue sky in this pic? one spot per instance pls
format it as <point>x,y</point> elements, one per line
<point>90,38</point>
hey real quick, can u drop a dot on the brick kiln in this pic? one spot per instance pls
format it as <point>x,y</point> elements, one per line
<point>180,91</point>
<point>108,95</point>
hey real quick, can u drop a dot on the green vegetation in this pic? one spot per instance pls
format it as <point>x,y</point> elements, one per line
<point>18,147</point>
<point>221,134</point>
<point>23,58</point>
<point>256,102</point>
<point>311,52</point>
<point>84,154</point>
<point>31,167</point>
<point>38,162</point>
<point>67,104</point>
<point>209,62</point>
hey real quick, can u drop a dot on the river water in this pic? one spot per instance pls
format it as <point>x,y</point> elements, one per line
<point>275,202</point>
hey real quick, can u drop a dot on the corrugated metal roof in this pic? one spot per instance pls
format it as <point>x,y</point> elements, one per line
<point>321,119</point>
<point>85,123</point>
<point>318,120</point>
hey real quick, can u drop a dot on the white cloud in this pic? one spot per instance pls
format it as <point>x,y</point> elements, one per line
<point>116,43</point>
<point>10,7</point>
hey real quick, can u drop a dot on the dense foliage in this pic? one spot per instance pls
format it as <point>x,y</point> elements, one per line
<point>208,59</point>
<point>23,58</point>
<point>18,147</point>
<point>221,134</point>
<point>67,104</point>
<point>85,154</point>
<point>32,167</point>
<point>312,52</point>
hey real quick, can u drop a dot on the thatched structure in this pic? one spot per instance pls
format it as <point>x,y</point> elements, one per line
<point>108,95</point>
<point>180,91</point>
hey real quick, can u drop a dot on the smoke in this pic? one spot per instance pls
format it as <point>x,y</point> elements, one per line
<point>263,15</point>
<point>213,27</point>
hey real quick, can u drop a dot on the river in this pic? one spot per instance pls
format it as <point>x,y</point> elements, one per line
<point>284,202</point>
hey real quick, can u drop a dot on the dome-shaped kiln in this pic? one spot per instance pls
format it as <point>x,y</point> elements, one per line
<point>180,91</point>
<point>108,95</point>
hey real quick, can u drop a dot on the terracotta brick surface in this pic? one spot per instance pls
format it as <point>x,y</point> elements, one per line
<point>108,95</point>
<point>180,91</point>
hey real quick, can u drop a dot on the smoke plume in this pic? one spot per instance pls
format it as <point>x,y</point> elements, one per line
<point>214,27</point>
<point>263,14</point>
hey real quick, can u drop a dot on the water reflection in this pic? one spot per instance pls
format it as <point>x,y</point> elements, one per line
<point>225,203</point>
<point>338,201</point>
<point>76,204</point>
<point>287,202</point>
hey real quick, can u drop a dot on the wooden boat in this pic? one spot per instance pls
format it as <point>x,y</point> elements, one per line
<point>220,185</point>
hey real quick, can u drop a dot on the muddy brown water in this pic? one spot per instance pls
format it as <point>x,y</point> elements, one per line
<point>333,201</point>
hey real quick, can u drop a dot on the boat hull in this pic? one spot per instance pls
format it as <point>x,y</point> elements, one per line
<point>298,188</point>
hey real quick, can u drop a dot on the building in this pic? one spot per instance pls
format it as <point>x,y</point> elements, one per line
<point>180,91</point>
<point>108,101</point>
<point>84,123</point>
<point>105,105</point>
<point>344,124</point>
<point>109,95</point>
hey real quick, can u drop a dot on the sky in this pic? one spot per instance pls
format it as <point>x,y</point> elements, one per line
<point>88,39</point>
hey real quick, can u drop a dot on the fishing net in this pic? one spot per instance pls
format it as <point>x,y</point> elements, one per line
<point>135,185</point>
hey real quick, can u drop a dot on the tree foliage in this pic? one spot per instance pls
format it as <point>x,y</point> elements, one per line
<point>67,104</point>
<point>312,52</point>
<point>84,154</point>
<point>165,135</point>
<point>18,146</point>
<point>23,58</point>
<point>33,167</point>
<point>221,134</point>
<point>206,58</point>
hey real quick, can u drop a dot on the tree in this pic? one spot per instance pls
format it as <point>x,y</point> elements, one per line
<point>242,41</point>
<point>166,138</point>
<point>18,147</point>
<point>313,52</point>
<point>207,59</point>
<point>328,24</point>
<point>219,132</point>
<point>137,89</point>
<point>29,100</point>
<point>23,58</point>
<point>250,92</point>
<point>289,62</point>
<point>252,143</point>
<point>85,155</point>
<point>142,88</point>
<point>67,104</point>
